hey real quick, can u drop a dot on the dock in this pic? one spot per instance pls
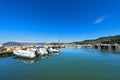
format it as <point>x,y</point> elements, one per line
<point>107,46</point>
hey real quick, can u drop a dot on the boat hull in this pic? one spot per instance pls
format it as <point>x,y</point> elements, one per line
<point>25,54</point>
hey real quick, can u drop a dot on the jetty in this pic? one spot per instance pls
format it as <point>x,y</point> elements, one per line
<point>107,46</point>
<point>100,46</point>
<point>5,51</point>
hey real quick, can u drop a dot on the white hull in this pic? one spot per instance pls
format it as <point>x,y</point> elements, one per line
<point>43,51</point>
<point>51,50</point>
<point>24,53</point>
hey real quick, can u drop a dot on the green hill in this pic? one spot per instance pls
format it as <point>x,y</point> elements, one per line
<point>103,40</point>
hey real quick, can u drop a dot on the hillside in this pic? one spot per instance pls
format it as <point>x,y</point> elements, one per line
<point>20,44</point>
<point>104,40</point>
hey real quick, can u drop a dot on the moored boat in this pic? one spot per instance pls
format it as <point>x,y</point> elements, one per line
<point>53,50</point>
<point>26,53</point>
<point>43,51</point>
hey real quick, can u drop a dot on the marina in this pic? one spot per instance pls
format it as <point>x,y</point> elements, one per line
<point>29,51</point>
<point>60,40</point>
<point>46,49</point>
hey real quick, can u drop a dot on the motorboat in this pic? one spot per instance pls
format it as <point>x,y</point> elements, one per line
<point>43,51</point>
<point>26,53</point>
<point>53,50</point>
<point>78,46</point>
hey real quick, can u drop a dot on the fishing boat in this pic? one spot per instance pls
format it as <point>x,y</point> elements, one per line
<point>26,53</point>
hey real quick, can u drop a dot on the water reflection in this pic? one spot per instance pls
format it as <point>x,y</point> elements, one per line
<point>27,61</point>
<point>102,51</point>
<point>55,53</point>
<point>35,60</point>
<point>106,51</point>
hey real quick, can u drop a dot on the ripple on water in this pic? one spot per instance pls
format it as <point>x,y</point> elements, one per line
<point>71,63</point>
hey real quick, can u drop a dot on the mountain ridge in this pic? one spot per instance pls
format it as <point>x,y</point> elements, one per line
<point>103,40</point>
<point>12,43</point>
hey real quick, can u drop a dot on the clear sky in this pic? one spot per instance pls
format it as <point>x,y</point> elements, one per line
<point>51,20</point>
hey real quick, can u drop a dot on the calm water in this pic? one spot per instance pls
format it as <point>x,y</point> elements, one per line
<point>70,64</point>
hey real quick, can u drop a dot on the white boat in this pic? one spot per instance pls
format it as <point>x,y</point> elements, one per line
<point>53,50</point>
<point>78,46</point>
<point>43,51</point>
<point>25,53</point>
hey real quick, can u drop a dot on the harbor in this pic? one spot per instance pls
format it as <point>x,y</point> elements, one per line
<point>60,61</point>
<point>45,49</point>
<point>60,40</point>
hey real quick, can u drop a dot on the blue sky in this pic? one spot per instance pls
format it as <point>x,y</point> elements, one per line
<point>51,20</point>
